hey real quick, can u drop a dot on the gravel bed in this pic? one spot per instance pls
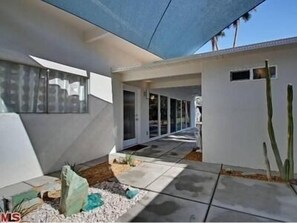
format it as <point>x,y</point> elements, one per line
<point>115,205</point>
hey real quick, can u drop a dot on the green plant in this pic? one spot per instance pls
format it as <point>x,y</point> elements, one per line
<point>290,154</point>
<point>129,159</point>
<point>74,167</point>
<point>20,208</point>
<point>286,170</point>
<point>267,163</point>
<point>24,209</point>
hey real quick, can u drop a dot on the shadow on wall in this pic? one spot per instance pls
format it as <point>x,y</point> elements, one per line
<point>18,159</point>
<point>71,137</point>
<point>76,138</point>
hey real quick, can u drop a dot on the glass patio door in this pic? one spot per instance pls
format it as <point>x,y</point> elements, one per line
<point>172,115</point>
<point>130,116</point>
<point>154,115</point>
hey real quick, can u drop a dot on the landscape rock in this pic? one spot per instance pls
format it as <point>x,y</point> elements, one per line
<point>74,192</point>
<point>131,193</point>
<point>94,201</point>
<point>51,195</point>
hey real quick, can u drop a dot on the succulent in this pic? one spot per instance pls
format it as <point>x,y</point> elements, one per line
<point>286,169</point>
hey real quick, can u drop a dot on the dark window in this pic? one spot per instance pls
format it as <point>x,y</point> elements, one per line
<point>164,114</point>
<point>184,115</point>
<point>240,75</point>
<point>178,115</point>
<point>188,114</point>
<point>153,115</point>
<point>259,73</point>
<point>172,115</point>
<point>129,115</point>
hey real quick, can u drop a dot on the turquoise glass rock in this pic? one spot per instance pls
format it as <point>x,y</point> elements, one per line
<point>94,201</point>
<point>131,193</point>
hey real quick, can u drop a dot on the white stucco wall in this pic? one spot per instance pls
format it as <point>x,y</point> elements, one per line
<point>234,113</point>
<point>30,27</point>
<point>17,153</point>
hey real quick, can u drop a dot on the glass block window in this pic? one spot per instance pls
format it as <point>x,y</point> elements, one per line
<point>66,93</point>
<point>28,89</point>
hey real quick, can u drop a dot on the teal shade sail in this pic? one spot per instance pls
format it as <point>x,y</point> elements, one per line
<point>167,28</point>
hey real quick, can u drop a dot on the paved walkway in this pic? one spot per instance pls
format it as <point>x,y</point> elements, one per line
<point>182,190</point>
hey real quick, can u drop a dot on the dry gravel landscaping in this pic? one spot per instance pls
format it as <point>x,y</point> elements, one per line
<point>101,179</point>
<point>115,205</point>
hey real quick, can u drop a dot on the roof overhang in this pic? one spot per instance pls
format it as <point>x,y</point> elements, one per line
<point>287,42</point>
<point>167,28</point>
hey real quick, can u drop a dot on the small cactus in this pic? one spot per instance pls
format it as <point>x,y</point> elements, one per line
<point>287,170</point>
<point>267,163</point>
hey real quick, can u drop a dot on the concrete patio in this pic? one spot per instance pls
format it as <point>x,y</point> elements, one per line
<point>183,190</point>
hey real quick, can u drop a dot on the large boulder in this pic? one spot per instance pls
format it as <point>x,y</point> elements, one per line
<point>74,192</point>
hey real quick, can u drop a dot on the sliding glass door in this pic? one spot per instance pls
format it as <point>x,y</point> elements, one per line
<point>164,114</point>
<point>179,112</point>
<point>153,115</point>
<point>188,114</point>
<point>184,124</point>
<point>172,115</point>
<point>178,115</point>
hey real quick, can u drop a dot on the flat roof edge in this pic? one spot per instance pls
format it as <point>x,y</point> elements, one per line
<point>229,51</point>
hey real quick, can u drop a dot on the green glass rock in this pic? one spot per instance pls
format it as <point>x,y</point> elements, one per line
<point>74,192</point>
<point>94,201</point>
<point>131,193</point>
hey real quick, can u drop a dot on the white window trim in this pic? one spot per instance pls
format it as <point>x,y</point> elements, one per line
<point>251,78</point>
<point>274,78</point>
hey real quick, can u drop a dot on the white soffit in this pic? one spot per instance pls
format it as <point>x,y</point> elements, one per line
<point>61,67</point>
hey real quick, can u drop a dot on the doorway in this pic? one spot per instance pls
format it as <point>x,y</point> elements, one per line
<point>130,116</point>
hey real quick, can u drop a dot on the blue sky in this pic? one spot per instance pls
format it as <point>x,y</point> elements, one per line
<point>273,19</point>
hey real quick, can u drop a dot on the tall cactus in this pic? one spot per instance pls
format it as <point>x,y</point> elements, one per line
<point>286,169</point>
<point>290,154</point>
<point>270,124</point>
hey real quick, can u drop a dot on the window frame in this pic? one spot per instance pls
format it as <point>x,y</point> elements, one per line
<point>255,79</point>
<point>46,88</point>
<point>251,73</point>
<point>237,71</point>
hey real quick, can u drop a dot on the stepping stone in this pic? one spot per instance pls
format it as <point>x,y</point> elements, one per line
<point>166,160</point>
<point>216,214</point>
<point>155,207</point>
<point>185,183</point>
<point>270,200</point>
<point>44,184</point>
<point>42,180</point>
<point>17,192</point>
<point>142,175</point>
<point>201,166</point>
